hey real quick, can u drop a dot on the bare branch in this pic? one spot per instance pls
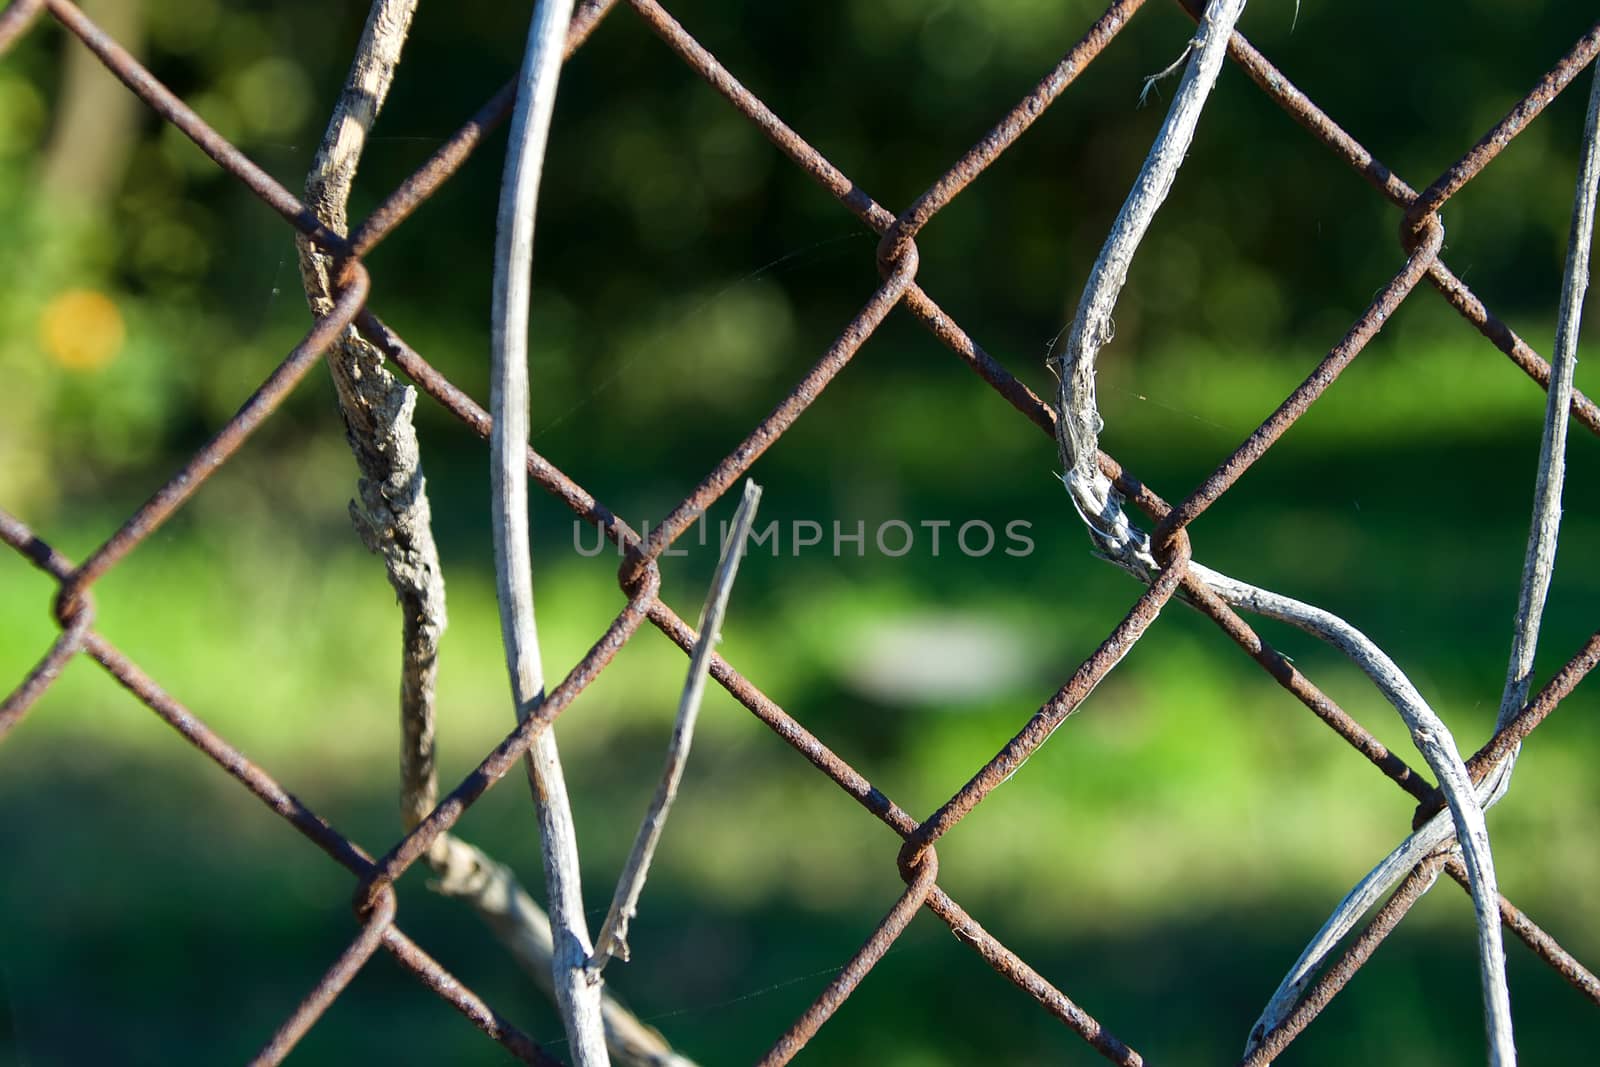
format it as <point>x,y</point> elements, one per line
<point>333,171</point>
<point>393,516</point>
<point>577,990</point>
<point>395,521</point>
<point>613,939</point>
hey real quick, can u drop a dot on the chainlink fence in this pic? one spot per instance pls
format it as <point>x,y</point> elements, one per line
<point>896,257</point>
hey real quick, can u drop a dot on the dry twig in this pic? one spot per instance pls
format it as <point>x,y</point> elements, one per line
<point>613,939</point>
<point>577,989</point>
<point>393,517</point>
<point>1539,563</point>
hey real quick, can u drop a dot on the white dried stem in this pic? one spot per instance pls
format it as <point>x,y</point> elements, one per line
<point>469,874</point>
<point>1129,547</point>
<point>1434,741</point>
<point>613,939</point>
<point>577,991</point>
<point>1538,568</point>
<point>1092,326</point>
<point>1100,507</point>
<point>1539,563</point>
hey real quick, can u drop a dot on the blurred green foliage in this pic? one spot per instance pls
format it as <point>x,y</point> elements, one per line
<point>1162,859</point>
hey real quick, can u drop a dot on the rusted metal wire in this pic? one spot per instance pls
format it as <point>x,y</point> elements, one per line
<point>1543,945</point>
<point>279,800</point>
<point>326,991</point>
<point>376,898</point>
<point>1495,750</point>
<point>1299,402</point>
<point>1307,114</point>
<point>508,752</point>
<point>1005,133</point>
<point>1337,976</point>
<point>1538,709</point>
<point>1469,166</point>
<point>183,485</point>
<point>449,989</point>
<point>1015,969</point>
<point>66,645</point>
<point>1047,719</point>
<point>893,925</point>
<point>16,20</point>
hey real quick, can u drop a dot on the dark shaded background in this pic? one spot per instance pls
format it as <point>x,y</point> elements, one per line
<point>1162,860</point>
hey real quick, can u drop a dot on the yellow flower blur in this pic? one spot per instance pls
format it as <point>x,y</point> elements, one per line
<point>81,329</point>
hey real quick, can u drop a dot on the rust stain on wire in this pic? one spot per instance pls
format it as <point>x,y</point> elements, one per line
<point>376,898</point>
<point>36,551</point>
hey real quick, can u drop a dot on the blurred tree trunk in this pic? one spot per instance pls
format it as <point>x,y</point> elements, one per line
<point>97,118</point>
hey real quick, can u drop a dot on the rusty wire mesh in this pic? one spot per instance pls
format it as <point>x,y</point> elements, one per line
<point>375,897</point>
